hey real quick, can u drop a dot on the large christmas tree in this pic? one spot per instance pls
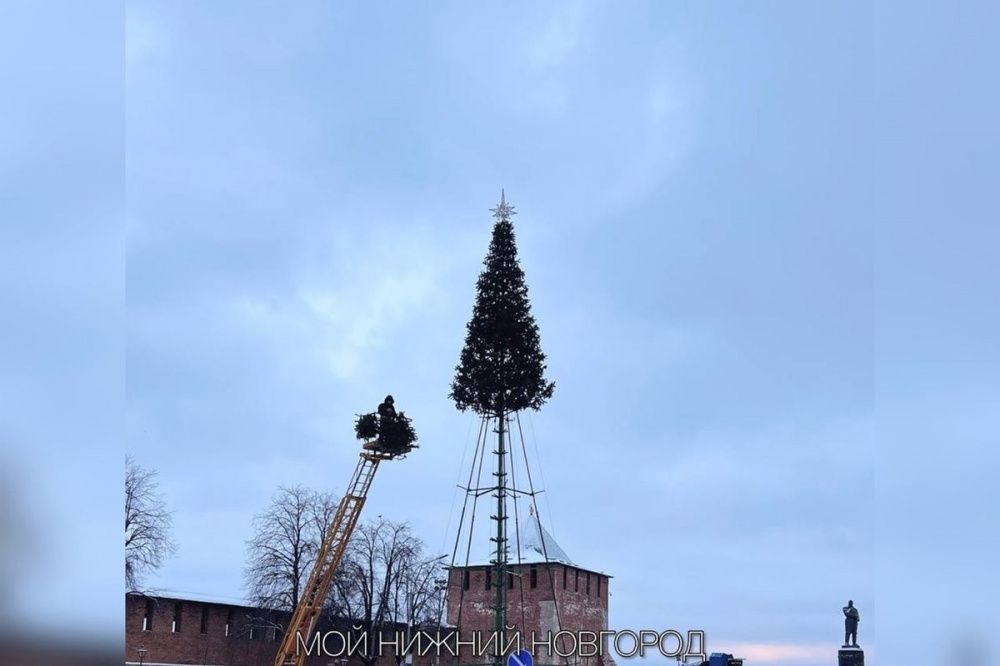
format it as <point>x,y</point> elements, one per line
<point>501,371</point>
<point>502,367</point>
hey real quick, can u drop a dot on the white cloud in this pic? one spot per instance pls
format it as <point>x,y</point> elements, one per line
<point>346,314</point>
<point>358,322</point>
<point>144,37</point>
<point>560,36</point>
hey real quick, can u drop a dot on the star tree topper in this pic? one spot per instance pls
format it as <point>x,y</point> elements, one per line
<point>503,210</point>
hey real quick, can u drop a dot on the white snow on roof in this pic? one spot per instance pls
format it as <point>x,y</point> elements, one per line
<point>537,546</point>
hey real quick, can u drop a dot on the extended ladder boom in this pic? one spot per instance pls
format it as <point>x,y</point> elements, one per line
<point>328,559</point>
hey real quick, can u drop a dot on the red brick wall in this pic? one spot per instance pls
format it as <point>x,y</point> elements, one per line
<point>578,610</point>
<point>189,645</point>
<point>212,648</point>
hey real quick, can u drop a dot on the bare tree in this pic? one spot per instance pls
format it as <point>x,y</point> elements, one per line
<point>147,524</point>
<point>283,548</point>
<point>385,581</point>
<point>421,593</point>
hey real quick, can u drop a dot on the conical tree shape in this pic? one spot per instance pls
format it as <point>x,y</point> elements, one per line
<point>502,367</point>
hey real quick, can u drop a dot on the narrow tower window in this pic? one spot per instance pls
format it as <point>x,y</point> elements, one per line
<point>175,624</point>
<point>204,619</point>
<point>534,576</point>
<point>147,618</point>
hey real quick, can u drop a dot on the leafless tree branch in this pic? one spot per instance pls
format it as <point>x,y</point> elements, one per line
<point>383,580</point>
<point>147,524</point>
<point>283,548</point>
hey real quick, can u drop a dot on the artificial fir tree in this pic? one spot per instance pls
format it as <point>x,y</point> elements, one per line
<point>501,371</point>
<point>502,367</point>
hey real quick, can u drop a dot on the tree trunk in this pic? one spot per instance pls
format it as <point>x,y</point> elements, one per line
<point>500,602</point>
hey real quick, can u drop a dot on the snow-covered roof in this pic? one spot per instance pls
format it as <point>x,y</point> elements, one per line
<point>537,545</point>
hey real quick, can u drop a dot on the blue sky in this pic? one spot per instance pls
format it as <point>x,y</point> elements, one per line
<point>761,251</point>
<point>307,215</point>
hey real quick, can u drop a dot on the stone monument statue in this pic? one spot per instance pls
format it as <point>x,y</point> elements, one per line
<point>851,619</point>
<point>850,654</point>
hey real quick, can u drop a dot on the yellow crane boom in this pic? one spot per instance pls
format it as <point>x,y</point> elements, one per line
<point>331,552</point>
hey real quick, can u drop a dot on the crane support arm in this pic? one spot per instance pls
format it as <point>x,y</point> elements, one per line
<point>331,552</point>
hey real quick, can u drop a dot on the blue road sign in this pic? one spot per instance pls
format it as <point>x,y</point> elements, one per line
<point>519,658</point>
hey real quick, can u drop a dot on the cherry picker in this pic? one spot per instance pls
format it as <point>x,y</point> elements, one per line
<point>386,435</point>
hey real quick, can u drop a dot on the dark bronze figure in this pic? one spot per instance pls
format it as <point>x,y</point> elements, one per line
<point>386,410</point>
<point>851,619</point>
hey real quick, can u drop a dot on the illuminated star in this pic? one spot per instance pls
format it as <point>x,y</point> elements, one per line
<point>504,210</point>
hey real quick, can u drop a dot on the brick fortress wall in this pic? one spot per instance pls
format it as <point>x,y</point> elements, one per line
<point>199,633</point>
<point>581,597</point>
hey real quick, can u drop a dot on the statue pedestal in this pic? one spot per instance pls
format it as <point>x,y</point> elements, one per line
<point>853,656</point>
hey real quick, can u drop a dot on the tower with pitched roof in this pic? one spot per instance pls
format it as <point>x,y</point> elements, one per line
<point>547,592</point>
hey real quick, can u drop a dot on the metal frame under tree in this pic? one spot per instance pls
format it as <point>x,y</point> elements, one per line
<point>507,459</point>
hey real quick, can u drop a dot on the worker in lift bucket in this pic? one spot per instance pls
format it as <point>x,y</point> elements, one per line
<point>386,409</point>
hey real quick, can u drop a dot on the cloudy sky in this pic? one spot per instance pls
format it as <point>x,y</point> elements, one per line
<point>761,245</point>
<point>307,212</point>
